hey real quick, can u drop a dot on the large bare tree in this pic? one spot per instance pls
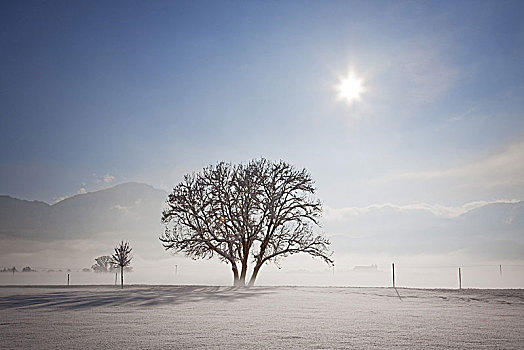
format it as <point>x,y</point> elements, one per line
<point>122,258</point>
<point>246,215</point>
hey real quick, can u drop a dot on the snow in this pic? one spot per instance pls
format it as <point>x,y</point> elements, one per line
<point>206,317</point>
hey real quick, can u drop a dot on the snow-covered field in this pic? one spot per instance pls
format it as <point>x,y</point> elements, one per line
<point>205,317</point>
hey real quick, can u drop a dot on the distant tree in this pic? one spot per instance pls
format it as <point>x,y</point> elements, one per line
<point>122,258</point>
<point>27,269</point>
<point>255,213</point>
<point>103,264</point>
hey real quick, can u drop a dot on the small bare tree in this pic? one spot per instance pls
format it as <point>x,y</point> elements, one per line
<point>122,258</point>
<point>255,213</point>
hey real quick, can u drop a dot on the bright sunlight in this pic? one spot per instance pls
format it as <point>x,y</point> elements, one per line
<point>350,89</point>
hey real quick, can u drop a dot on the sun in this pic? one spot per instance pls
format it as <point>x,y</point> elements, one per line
<point>350,88</point>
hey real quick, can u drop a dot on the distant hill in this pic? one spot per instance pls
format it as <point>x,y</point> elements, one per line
<point>501,218</point>
<point>130,208</point>
<point>133,211</point>
<point>494,230</point>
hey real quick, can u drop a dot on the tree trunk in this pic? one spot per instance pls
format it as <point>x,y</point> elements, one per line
<point>243,274</point>
<point>242,279</point>
<point>236,279</point>
<point>254,275</point>
<point>244,264</point>
<point>121,277</point>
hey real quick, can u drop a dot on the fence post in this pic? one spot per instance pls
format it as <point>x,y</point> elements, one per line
<point>67,279</point>
<point>393,269</point>
<point>460,279</point>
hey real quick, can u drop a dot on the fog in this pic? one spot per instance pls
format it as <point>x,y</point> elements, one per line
<point>418,272</point>
<point>428,243</point>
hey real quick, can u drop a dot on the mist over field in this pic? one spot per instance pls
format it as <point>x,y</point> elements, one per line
<point>427,244</point>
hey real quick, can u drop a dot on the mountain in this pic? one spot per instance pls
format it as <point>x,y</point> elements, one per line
<point>130,208</point>
<point>22,218</point>
<point>133,210</point>
<point>503,219</point>
<point>494,230</point>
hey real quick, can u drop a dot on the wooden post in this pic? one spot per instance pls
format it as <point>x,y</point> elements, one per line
<point>460,279</point>
<point>67,279</point>
<point>500,269</point>
<point>393,268</point>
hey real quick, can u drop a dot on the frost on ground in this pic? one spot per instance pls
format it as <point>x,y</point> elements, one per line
<point>182,317</point>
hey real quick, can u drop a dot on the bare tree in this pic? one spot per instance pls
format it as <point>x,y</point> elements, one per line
<point>122,258</point>
<point>245,215</point>
<point>103,264</point>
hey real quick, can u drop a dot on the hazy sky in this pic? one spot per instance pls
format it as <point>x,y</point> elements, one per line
<point>148,91</point>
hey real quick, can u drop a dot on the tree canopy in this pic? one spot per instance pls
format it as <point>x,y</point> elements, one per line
<point>245,214</point>
<point>103,264</point>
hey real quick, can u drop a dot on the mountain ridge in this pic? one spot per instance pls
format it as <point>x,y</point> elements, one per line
<point>126,207</point>
<point>133,211</point>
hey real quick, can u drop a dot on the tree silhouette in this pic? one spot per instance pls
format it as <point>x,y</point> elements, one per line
<point>103,264</point>
<point>122,257</point>
<point>245,214</point>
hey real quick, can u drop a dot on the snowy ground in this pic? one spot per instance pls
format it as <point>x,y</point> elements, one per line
<point>182,317</point>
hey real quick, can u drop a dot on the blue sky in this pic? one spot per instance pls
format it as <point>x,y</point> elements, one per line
<point>147,91</point>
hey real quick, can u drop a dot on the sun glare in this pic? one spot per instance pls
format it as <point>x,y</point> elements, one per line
<point>350,89</point>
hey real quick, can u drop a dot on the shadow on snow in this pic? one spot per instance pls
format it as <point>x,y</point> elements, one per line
<point>72,299</point>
